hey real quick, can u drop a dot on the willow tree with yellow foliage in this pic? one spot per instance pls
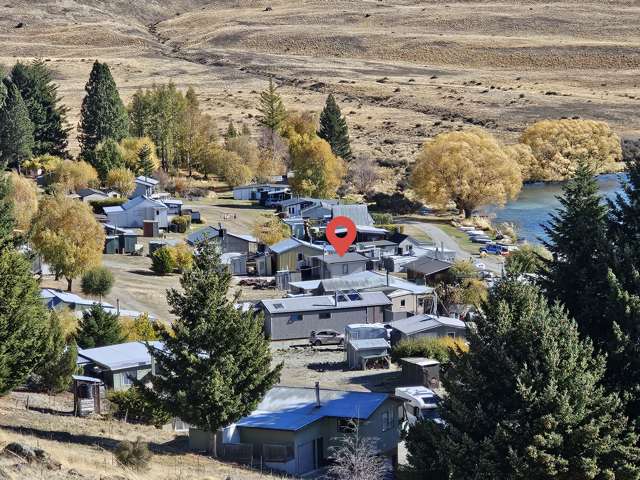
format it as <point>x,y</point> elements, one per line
<point>24,196</point>
<point>558,145</point>
<point>269,229</point>
<point>131,148</point>
<point>469,168</point>
<point>68,236</point>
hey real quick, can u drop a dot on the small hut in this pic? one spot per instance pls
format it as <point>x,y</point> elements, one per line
<point>86,395</point>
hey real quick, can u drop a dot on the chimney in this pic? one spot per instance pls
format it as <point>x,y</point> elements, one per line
<point>387,277</point>
<point>118,306</point>
<point>335,297</point>
<point>318,404</point>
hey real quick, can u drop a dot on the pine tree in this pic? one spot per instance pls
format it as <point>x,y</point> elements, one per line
<point>216,364</point>
<point>7,219</point>
<point>526,403</point>
<point>22,320</point>
<point>46,112</point>
<point>16,130</point>
<point>271,108</point>
<point>623,361</point>
<point>577,274</point>
<point>98,328</point>
<point>106,157</point>
<point>59,360</point>
<point>231,131</point>
<point>102,114</point>
<point>333,128</point>
<point>144,161</point>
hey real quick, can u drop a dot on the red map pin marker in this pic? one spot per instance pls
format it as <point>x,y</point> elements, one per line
<point>341,244</point>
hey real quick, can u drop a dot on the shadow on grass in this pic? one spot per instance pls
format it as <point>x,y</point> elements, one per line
<point>178,445</point>
<point>383,381</point>
<point>242,206</point>
<point>327,366</point>
<point>147,273</point>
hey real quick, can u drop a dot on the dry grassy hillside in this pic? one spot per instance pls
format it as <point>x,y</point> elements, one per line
<point>403,70</point>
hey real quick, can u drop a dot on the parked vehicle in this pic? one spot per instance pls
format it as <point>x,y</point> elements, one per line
<point>420,403</point>
<point>326,337</point>
<point>495,249</point>
<point>480,239</point>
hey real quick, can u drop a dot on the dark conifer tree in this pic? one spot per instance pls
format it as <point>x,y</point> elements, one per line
<point>144,161</point>
<point>333,128</point>
<point>99,328</point>
<point>231,131</point>
<point>59,359</point>
<point>216,363</point>
<point>577,274</point>
<point>16,129</point>
<point>526,401</point>
<point>46,111</point>
<point>102,114</point>
<point>22,315</point>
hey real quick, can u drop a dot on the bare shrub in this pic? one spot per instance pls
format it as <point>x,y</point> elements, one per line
<point>133,454</point>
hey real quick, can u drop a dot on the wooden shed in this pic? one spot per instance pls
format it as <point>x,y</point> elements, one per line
<point>420,371</point>
<point>86,395</point>
<point>151,228</point>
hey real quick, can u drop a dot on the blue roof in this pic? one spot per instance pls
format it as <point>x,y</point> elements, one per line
<point>293,408</point>
<point>122,355</point>
<point>67,297</point>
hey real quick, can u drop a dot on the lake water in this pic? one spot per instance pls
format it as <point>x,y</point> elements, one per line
<point>537,200</point>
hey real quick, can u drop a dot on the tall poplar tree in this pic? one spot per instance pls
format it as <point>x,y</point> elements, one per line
<point>577,274</point>
<point>16,129</point>
<point>102,114</point>
<point>216,364</point>
<point>46,111</point>
<point>526,402</point>
<point>333,128</point>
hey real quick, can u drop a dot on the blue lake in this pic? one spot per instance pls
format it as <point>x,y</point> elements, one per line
<point>537,200</point>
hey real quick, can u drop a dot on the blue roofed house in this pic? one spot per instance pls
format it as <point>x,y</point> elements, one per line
<point>288,254</point>
<point>293,428</point>
<point>117,365</point>
<point>427,325</point>
<point>230,242</point>
<point>133,213</point>
<point>55,299</point>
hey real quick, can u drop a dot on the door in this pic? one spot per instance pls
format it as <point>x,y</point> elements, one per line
<point>319,452</point>
<point>306,457</point>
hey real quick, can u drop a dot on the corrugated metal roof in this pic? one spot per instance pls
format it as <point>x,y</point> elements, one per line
<point>293,408</point>
<point>68,297</point>
<point>200,235</point>
<point>134,202</point>
<point>242,236</point>
<point>369,279</point>
<point>325,302</point>
<point>148,181</point>
<point>369,343</point>
<point>120,356</point>
<point>359,214</point>
<point>421,323</point>
<point>346,258</point>
<point>291,243</point>
<point>427,265</point>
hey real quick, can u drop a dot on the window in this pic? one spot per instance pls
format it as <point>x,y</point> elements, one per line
<point>451,334</point>
<point>325,315</point>
<point>345,268</point>
<point>387,420</point>
<point>277,453</point>
<point>420,301</point>
<point>278,306</point>
<point>300,257</point>
<point>295,317</point>
<point>403,303</point>
<point>128,377</point>
<point>347,425</point>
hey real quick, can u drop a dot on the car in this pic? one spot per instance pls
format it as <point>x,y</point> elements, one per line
<point>480,239</point>
<point>480,266</point>
<point>326,337</point>
<point>494,248</point>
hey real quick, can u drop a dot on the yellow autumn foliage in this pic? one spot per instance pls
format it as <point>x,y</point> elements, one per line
<point>558,145</point>
<point>469,168</point>
<point>24,195</point>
